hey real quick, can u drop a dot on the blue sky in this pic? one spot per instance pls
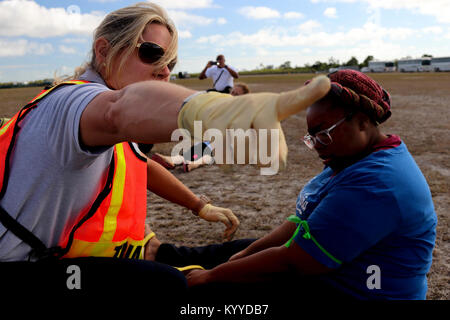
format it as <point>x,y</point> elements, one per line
<point>41,38</point>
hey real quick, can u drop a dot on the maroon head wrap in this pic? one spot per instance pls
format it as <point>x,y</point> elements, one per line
<point>356,89</point>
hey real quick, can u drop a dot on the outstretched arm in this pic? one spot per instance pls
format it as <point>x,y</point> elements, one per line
<point>149,111</point>
<point>260,266</point>
<point>141,112</point>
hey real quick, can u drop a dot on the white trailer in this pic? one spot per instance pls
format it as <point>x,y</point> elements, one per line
<point>381,66</point>
<point>440,64</point>
<point>414,65</point>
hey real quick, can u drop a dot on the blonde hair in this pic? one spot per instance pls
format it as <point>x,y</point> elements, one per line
<point>123,30</point>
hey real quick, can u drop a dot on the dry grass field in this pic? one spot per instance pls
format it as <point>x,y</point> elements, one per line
<point>420,107</point>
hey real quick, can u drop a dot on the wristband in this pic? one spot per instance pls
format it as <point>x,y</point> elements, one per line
<point>204,199</point>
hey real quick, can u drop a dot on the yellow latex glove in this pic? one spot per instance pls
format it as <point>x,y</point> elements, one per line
<point>217,214</point>
<point>258,111</point>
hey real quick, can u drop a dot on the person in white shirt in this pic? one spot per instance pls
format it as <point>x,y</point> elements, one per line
<point>221,74</point>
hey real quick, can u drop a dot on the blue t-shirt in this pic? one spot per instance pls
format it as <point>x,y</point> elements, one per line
<point>376,212</point>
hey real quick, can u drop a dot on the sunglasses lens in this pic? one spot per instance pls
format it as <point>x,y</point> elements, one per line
<point>150,52</point>
<point>172,64</point>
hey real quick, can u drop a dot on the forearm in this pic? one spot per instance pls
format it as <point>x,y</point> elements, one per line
<point>264,265</point>
<point>167,186</point>
<point>253,268</point>
<point>233,73</point>
<point>277,237</point>
<point>203,73</point>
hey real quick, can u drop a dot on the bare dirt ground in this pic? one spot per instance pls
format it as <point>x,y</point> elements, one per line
<point>420,107</point>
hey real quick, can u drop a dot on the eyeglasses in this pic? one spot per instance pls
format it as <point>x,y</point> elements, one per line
<point>150,53</point>
<point>323,136</point>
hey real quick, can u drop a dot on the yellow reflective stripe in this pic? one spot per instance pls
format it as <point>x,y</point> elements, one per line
<point>81,248</point>
<point>110,223</point>
<point>49,90</point>
<point>6,126</point>
<point>189,268</point>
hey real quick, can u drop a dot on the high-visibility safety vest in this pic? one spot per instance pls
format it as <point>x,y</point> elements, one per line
<point>114,224</point>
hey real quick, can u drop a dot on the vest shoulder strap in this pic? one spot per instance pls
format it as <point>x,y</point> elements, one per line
<point>39,249</point>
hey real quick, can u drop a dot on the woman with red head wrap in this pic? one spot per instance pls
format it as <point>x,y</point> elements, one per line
<point>364,227</point>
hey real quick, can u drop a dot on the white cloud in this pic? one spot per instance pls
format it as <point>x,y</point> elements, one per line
<point>184,34</point>
<point>21,47</point>
<point>330,12</point>
<point>184,4</point>
<point>440,9</point>
<point>310,34</point>
<point>187,20</point>
<point>293,15</point>
<point>75,40</point>
<point>221,21</point>
<point>433,30</point>
<point>67,50</point>
<point>259,12</point>
<point>309,26</point>
<point>27,18</point>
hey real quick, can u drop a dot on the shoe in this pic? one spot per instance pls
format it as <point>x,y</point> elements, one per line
<point>161,161</point>
<point>186,167</point>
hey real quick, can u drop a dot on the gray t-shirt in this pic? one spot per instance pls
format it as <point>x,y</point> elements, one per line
<point>52,179</point>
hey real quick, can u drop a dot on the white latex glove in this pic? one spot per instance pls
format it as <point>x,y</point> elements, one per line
<point>217,214</point>
<point>258,111</point>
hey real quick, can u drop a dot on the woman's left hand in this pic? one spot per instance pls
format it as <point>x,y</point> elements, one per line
<point>226,216</point>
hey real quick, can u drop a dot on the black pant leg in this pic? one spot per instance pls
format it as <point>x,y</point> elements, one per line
<point>207,256</point>
<point>92,276</point>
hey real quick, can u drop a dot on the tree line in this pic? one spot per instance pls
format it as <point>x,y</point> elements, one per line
<point>318,66</point>
<point>285,67</point>
<point>36,83</point>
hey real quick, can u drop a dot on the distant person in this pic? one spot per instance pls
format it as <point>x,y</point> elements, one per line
<point>198,155</point>
<point>222,75</point>
<point>240,89</point>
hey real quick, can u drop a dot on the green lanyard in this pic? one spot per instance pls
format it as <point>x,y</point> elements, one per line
<point>307,235</point>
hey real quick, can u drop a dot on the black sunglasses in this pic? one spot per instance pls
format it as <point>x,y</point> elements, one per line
<point>150,53</point>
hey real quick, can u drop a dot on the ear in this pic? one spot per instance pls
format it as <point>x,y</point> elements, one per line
<point>101,48</point>
<point>363,121</point>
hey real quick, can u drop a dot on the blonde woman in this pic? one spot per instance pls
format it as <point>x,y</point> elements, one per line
<point>74,185</point>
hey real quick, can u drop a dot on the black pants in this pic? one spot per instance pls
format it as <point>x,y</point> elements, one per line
<point>95,276</point>
<point>108,276</point>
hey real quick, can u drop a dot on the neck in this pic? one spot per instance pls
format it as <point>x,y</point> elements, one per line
<point>343,163</point>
